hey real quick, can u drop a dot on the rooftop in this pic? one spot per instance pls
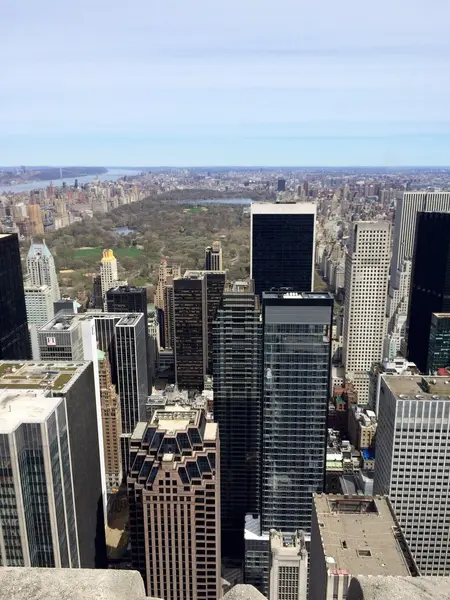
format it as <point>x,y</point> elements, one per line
<point>359,535</point>
<point>24,407</point>
<point>39,375</point>
<point>419,387</point>
<point>289,294</point>
<point>399,588</point>
<point>292,208</point>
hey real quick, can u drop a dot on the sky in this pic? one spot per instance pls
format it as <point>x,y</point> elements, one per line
<point>236,82</point>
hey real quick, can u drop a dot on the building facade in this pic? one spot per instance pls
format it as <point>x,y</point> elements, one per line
<point>213,257</point>
<point>366,286</point>
<point>127,299</point>
<point>237,410</point>
<point>288,566</point>
<point>108,273</point>
<point>166,272</point>
<point>39,304</point>
<point>41,268</point>
<point>296,391</point>
<point>430,281</point>
<point>439,343</point>
<point>14,336</point>
<point>412,461</point>
<point>282,244</point>
<point>174,500</point>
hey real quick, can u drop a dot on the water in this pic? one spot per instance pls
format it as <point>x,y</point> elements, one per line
<point>110,175</point>
<point>124,230</point>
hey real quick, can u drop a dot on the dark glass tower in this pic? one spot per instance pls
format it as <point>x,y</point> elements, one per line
<point>237,410</point>
<point>296,391</point>
<point>282,246</point>
<point>14,336</point>
<point>127,298</point>
<point>439,344</point>
<point>215,285</point>
<point>430,281</point>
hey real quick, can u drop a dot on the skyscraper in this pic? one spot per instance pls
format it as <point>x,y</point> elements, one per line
<point>14,337</point>
<point>412,458</point>
<point>35,216</point>
<point>166,271</point>
<point>282,242</point>
<point>430,281</point>
<point>439,343</point>
<point>397,311</point>
<point>191,334</point>
<point>174,502</point>
<point>41,268</point>
<point>237,410</point>
<point>111,425</point>
<point>296,390</point>
<point>168,315</point>
<point>366,285</point>
<point>127,298</point>
<point>51,450</point>
<point>39,304</point>
<point>108,273</point>
<point>281,185</point>
<point>213,257</point>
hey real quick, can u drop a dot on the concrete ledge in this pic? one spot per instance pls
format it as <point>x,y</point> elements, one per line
<point>17,583</point>
<point>399,588</point>
<point>243,592</point>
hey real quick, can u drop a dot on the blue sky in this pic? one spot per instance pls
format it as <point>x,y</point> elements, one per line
<point>285,82</point>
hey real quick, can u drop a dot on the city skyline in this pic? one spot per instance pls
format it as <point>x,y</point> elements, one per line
<point>245,84</point>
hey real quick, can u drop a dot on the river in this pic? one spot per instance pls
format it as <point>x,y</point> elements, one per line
<point>110,175</point>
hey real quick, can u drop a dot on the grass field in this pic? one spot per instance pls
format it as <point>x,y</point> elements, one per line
<point>97,252</point>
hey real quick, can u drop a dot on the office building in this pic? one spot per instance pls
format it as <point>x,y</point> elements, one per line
<point>39,304</point>
<point>97,299</point>
<point>288,566</point>
<point>174,503</point>
<point>111,425</point>
<point>127,299</point>
<point>168,316</point>
<point>397,313</point>
<point>191,334</point>
<point>166,272</point>
<point>439,343</point>
<point>237,363</point>
<point>14,336</point>
<point>37,513</point>
<point>296,391</point>
<point>282,243</point>
<point>40,444</point>
<point>281,185</point>
<point>41,268</point>
<point>67,305</point>
<point>35,216</point>
<point>412,463</point>
<point>366,286</point>
<point>354,535</point>
<point>108,273</point>
<point>213,257</point>
<point>257,554</point>
<point>430,281</point>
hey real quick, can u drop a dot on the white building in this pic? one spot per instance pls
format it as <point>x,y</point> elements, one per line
<point>108,272</point>
<point>366,285</point>
<point>41,268</point>
<point>288,566</point>
<point>413,464</point>
<point>39,304</point>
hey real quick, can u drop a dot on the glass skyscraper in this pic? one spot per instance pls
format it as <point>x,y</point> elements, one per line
<point>282,246</point>
<point>439,343</point>
<point>14,336</point>
<point>295,395</point>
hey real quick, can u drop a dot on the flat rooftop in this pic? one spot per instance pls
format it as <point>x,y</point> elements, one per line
<point>62,322</point>
<point>358,535</point>
<point>39,375</point>
<point>175,417</point>
<point>293,295</point>
<point>130,319</point>
<point>290,208</point>
<point>419,387</point>
<point>24,407</point>
<point>199,273</point>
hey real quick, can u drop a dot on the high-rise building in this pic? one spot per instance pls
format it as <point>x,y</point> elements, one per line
<point>168,315</point>
<point>39,304</point>
<point>174,503</point>
<point>37,513</point>
<point>127,298</point>
<point>397,313</point>
<point>281,185</point>
<point>35,216</point>
<point>412,460</point>
<point>237,410</point>
<point>41,268</point>
<point>282,243</point>
<point>97,299</point>
<point>166,271</point>
<point>439,343</point>
<point>50,465</point>
<point>191,334</point>
<point>288,566</point>
<point>108,273</point>
<point>354,535</point>
<point>111,425</point>
<point>430,281</point>
<point>366,285</point>
<point>213,257</point>
<point>296,391</point>
<point>14,336</point>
